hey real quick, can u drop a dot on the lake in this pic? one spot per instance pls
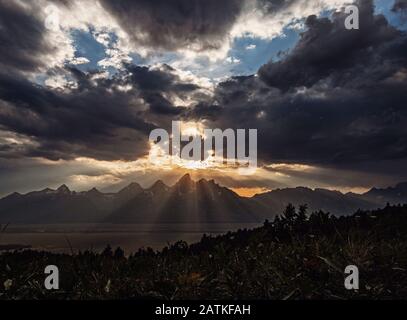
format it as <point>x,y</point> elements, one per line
<point>130,237</point>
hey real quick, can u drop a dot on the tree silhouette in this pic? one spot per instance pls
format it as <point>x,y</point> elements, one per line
<point>119,253</point>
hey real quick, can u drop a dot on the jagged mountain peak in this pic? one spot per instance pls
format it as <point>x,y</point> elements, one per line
<point>398,186</point>
<point>185,184</point>
<point>14,195</point>
<point>394,195</point>
<point>132,187</point>
<point>186,178</point>
<point>187,200</point>
<point>158,185</point>
<point>63,189</point>
<point>93,191</point>
<point>208,182</point>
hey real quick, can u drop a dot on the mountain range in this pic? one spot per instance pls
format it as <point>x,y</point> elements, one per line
<point>187,201</point>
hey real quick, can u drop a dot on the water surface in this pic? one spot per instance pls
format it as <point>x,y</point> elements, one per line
<point>130,237</point>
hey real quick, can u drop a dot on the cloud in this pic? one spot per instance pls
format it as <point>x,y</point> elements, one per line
<point>327,49</point>
<point>400,5</point>
<point>22,37</point>
<point>267,19</point>
<point>337,99</point>
<point>199,25</point>
<point>207,28</point>
<point>71,113</point>
<point>101,118</point>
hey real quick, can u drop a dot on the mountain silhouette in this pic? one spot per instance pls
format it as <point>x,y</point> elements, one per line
<point>334,202</point>
<point>395,195</point>
<point>187,201</point>
<point>63,205</point>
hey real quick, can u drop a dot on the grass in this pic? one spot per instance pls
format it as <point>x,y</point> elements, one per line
<point>297,256</point>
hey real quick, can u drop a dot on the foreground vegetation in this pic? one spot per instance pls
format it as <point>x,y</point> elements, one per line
<point>297,256</point>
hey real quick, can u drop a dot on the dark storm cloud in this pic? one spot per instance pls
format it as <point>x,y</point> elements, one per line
<point>178,23</point>
<point>98,119</point>
<point>328,49</point>
<point>153,83</point>
<point>181,24</point>
<point>337,98</point>
<point>163,79</point>
<point>68,124</point>
<point>22,40</point>
<point>400,5</point>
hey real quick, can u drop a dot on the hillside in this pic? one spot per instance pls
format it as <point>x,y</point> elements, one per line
<point>297,256</point>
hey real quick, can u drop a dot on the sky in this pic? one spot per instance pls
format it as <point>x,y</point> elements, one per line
<point>84,82</point>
